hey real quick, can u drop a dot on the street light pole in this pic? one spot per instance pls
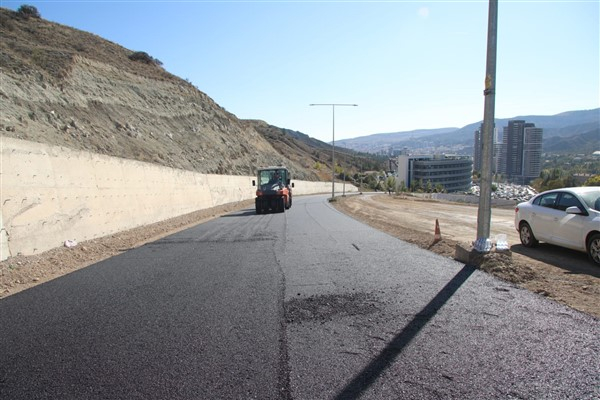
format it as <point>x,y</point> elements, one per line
<point>333,141</point>
<point>484,212</point>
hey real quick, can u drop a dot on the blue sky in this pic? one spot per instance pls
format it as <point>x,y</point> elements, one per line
<point>407,64</point>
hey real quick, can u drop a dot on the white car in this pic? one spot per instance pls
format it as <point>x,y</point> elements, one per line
<point>568,217</point>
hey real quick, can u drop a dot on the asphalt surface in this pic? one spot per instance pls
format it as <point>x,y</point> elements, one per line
<point>308,304</point>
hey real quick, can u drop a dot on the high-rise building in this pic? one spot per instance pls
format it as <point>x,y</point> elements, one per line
<point>532,152</point>
<point>478,148</point>
<point>520,154</point>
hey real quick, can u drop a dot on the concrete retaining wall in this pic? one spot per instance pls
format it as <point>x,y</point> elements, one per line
<point>51,194</point>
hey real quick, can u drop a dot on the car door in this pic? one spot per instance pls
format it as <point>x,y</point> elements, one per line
<point>543,215</point>
<point>568,228</point>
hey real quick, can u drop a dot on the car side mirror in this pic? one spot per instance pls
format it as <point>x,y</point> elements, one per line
<point>253,182</point>
<point>574,210</point>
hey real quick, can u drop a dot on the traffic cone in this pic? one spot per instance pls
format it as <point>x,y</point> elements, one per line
<point>438,235</point>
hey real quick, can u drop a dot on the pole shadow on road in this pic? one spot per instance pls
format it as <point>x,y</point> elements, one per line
<point>379,364</point>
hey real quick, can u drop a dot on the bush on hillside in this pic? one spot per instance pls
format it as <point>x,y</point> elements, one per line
<point>27,11</point>
<point>593,181</point>
<point>144,57</point>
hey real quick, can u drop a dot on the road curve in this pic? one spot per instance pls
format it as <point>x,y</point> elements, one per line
<point>306,304</point>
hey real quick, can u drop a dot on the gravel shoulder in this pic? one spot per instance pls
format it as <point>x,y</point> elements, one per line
<point>562,275</point>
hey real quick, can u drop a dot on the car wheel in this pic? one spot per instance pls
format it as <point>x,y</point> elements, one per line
<point>283,207</point>
<point>593,248</point>
<point>526,235</point>
<point>258,206</point>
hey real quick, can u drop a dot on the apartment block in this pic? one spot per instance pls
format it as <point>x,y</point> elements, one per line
<point>520,152</point>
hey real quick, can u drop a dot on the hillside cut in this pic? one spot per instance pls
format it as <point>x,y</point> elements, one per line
<point>66,87</point>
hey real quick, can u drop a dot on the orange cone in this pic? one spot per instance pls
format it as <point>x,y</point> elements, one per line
<point>438,235</point>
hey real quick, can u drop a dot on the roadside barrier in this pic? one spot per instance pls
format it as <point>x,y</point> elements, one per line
<point>50,194</point>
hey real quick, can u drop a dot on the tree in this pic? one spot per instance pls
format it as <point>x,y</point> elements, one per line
<point>417,186</point>
<point>428,187</point>
<point>27,11</point>
<point>403,187</point>
<point>554,178</point>
<point>390,184</point>
<point>372,181</point>
<point>593,181</point>
<point>144,57</point>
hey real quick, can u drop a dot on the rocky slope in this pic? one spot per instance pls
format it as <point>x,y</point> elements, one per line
<point>71,88</point>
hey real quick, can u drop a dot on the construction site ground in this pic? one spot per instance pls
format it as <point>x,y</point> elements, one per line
<point>560,274</point>
<point>563,275</point>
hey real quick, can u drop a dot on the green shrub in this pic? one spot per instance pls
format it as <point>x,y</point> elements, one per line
<point>27,11</point>
<point>144,57</point>
<point>593,181</point>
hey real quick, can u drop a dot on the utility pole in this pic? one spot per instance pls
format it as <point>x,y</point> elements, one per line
<point>333,143</point>
<point>484,213</point>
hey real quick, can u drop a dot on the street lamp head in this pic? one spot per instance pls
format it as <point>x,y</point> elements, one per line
<point>334,104</point>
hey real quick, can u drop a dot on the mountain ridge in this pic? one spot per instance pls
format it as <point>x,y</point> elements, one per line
<point>566,124</point>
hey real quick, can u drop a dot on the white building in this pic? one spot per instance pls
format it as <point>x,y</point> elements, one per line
<point>452,172</point>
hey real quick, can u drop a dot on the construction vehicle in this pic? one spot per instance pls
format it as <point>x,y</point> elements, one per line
<point>273,189</point>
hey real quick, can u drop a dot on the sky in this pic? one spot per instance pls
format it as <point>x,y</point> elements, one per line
<point>406,64</point>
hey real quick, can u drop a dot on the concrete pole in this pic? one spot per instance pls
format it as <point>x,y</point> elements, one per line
<point>484,213</point>
<point>333,154</point>
<point>333,142</point>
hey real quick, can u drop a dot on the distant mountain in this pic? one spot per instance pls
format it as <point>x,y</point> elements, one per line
<point>581,127</point>
<point>580,144</point>
<point>380,141</point>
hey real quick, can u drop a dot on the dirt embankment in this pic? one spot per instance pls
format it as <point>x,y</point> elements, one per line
<point>562,275</point>
<point>66,87</point>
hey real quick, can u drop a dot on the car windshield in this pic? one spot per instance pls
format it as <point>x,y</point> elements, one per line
<point>272,176</point>
<point>592,199</point>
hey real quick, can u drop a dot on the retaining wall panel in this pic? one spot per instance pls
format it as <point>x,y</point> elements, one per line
<point>50,194</point>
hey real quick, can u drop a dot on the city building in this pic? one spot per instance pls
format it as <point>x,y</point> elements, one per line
<point>520,153</point>
<point>478,148</point>
<point>532,153</point>
<point>453,173</point>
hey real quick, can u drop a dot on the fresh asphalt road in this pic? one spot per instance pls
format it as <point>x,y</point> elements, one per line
<point>309,304</point>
